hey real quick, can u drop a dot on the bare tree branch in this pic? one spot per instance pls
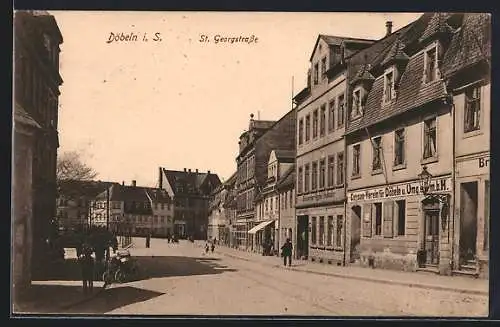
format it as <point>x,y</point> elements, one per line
<point>71,167</point>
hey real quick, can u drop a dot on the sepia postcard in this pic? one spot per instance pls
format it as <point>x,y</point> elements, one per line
<point>230,164</point>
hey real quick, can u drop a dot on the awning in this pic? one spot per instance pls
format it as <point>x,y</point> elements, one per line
<point>260,226</point>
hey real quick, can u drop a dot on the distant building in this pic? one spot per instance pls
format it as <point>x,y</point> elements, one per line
<point>134,210</point>
<point>73,202</point>
<point>36,91</point>
<point>190,191</point>
<point>221,211</point>
<point>268,201</point>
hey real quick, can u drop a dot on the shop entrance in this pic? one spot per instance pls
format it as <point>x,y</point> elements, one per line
<point>431,235</point>
<point>302,236</point>
<point>468,224</point>
<point>355,232</point>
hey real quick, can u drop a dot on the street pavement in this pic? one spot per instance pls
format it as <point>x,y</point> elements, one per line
<point>180,279</point>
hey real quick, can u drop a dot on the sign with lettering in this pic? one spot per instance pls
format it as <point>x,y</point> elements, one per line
<point>399,190</point>
<point>474,166</point>
<point>321,196</point>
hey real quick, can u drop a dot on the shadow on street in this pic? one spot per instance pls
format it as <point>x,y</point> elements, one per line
<point>174,266</point>
<point>48,298</point>
<point>67,270</point>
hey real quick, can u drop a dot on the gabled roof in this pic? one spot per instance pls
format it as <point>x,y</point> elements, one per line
<point>469,45</point>
<point>363,75</point>
<point>190,183</point>
<point>437,25</point>
<point>333,40</point>
<point>77,188</point>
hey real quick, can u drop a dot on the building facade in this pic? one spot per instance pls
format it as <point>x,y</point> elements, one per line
<point>267,202</point>
<point>73,202</point>
<point>221,212</point>
<point>287,218</point>
<point>321,114</point>
<point>190,191</point>
<point>36,90</point>
<point>131,210</point>
<point>467,70</point>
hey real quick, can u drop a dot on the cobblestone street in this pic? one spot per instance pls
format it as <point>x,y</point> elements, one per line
<point>180,279</point>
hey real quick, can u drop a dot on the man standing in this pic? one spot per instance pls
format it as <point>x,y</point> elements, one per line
<point>287,252</point>
<point>87,265</point>
<point>148,240</point>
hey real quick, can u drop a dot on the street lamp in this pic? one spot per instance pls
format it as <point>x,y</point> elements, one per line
<point>444,199</point>
<point>425,180</point>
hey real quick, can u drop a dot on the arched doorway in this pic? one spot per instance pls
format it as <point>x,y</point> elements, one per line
<point>355,232</point>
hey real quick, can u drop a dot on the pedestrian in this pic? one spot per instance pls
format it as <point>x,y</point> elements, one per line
<point>286,250</point>
<point>213,247</point>
<point>87,267</point>
<point>206,248</point>
<point>148,240</point>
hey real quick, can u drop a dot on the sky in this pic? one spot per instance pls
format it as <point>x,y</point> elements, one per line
<point>130,107</point>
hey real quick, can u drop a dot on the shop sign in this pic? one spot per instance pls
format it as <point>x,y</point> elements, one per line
<point>474,166</point>
<point>399,190</point>
<point>329,195</point>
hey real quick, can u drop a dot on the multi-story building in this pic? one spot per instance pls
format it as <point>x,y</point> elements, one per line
<point>399,129</point>
<point>321,114</point>
<point>134,210</point>
<point>190,191</point>
<point>255,146</point>
<point>467,70</point>
<point>36,91</point>
<point>267,202</point>
<point>220,211</point>
<point>287,218</point>
<point>73,202</point>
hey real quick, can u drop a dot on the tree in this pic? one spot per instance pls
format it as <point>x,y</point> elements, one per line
<point>71,167</point>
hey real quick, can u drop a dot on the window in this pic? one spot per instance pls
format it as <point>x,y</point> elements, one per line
<point>356,104</point>
<point>308,127</point>
<point>306,178</point>
<point>314,177</point>
<point>356,159</point>
<point>299,181</point>
<point>322,121</point>
<point>313,230</point>
<point>162,206</point>
<point>430,138</point>
<point>322,171</point>
<point>378,218</point>
<point>472,109</point>
<point>486,228</point>
<point>316,74</point>
<point>156,219</point>
<point>331,170</point>
<point>162,219</point>
<point>338,236</point>
<point>323,67</point>
<point>340,168</point>
<point>377,153</point>
<point>399,147</point>
<point>430,65</point>
<point>301,130</point>
<point>341,111</point>
<point>321,230</point>
<point>329,238</point>
<point>401,218</point>
<point>285,198</point>
<point>315,123</point>
<point>291,199</point>
<point>388,86</point>
<point>331,115</point>
<point>271,205</point>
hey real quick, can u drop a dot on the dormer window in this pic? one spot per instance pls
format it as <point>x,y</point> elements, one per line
<point>430,65</point>
<point>357,109</point>
<point>389,86</point>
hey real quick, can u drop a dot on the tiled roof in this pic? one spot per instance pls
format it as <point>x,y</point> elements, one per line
<point>22,117</point>
<point>76,188</point>
<point>288,178</point>
<point>469,45</point>
<point>436,25</point>
<point>190,182</point>
<point>333,40</point>
<point>284,155</point>
<point>411,91</point>
<point>395,53</point>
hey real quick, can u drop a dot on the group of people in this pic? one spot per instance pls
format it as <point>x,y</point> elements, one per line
<point>210,246</point>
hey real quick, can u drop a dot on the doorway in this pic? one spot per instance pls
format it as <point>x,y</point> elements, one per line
<point>431,236</point>
<point>468,223</point>
<point>355,233</point>
<point>302,236</point>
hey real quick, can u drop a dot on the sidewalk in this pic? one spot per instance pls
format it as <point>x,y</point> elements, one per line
<point>410,279</point>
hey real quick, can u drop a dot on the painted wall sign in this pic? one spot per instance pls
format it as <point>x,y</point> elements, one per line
<point>329,195</point>
<point>399,190</point>
<point>473,166</point>
<point>484,162</point>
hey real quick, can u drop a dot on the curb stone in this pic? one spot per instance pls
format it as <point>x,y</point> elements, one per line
<point>371,279</point>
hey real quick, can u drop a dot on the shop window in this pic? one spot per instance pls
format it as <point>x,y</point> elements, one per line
<point>321,230</point>
<point>430,138</point>
<point>338,236</point>
<point>329,239</point>
<point>356,154</point>
<point>401,216</point>
<point>472,109</point>
<point>377,208</point>
<point>313,230</point>
<point>399,147</point>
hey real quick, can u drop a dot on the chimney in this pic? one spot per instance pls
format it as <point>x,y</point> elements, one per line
<point>388,26</point>
<point>197,170</point>
<point>185,169</point>
<point>160,180</point>
<point>134,182</point>
<point>123,183</point>
<point>208,172</point>
<point>189,170</point>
